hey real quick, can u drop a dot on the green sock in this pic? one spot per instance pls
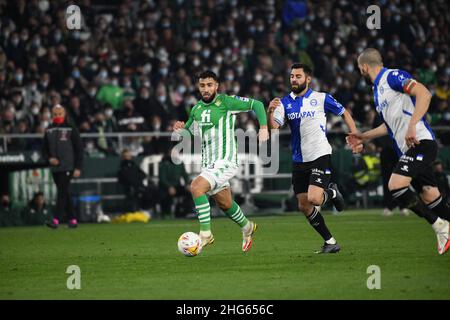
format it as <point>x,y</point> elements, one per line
<point>204,212</point>
<point>235,213</point>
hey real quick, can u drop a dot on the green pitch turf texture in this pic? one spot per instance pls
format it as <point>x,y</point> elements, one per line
<point>141,261</point>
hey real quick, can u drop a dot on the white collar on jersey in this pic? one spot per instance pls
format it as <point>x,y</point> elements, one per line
<point>306,95</point>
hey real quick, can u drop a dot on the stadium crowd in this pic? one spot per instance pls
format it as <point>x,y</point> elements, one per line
<point>131,67</point>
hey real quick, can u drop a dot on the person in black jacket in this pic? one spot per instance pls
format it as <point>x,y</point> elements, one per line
<point>131,177</point>
<point>63,150</point>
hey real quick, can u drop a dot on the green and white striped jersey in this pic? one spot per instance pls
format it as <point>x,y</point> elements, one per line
<point>215,121</point>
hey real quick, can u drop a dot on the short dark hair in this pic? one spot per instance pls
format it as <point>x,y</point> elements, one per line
<point>437,162</point>
<point>207,74</point>
<point>306,68</point>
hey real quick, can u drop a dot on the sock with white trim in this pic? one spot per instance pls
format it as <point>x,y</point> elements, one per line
<point>317,222</point>
<point>440,207</point>
<point>235,213</point>
<point>203,212</point>
<point>406,198</point>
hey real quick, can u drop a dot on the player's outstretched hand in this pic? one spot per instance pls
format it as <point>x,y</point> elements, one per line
<point>263,134</point>
<point>273,104</point>
<point>358,148</point>
<point>178,126</point>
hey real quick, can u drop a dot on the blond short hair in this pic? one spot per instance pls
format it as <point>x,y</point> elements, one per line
<point>370,56</point>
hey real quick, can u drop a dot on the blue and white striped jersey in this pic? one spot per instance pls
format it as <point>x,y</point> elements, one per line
<point>306,116</point>
<point>396,107</point>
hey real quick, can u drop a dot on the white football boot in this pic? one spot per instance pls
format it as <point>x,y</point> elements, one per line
<point>206,237</point>
<point>442,229</point>
<point>247,235</point>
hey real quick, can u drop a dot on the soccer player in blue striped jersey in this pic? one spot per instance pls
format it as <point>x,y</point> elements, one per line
<point>305,111</point>
<point>402,102</point>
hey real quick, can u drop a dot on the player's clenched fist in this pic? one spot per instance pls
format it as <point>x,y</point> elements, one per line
<point>274,104</point>
<point>178,125</point>
<point>263,134</point>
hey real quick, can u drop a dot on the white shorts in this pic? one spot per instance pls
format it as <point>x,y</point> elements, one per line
<point>218,175</point>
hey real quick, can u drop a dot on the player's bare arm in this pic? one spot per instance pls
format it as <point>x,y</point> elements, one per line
<point>348,119</point>
<point>258,108</point>
<point>423,98</point>
<point>263,134</point>
<point>272,106</point>
<point>356,140</point>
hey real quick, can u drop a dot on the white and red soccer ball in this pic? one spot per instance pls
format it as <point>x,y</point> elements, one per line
<point>190,244</point>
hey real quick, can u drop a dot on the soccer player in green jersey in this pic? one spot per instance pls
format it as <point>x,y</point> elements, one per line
<point>215,116</point>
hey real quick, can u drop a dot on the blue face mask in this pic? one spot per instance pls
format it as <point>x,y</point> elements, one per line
<point>103,74</point>
<point>164,71</point>
<point>19,77</point>
<point>76,74</point>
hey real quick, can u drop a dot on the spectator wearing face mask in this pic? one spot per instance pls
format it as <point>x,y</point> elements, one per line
<point>20,144</point>
<point>32,93</point>
<point>64,152</point>
<point>88,99</point>
<point>37,212</point>
<point>143,102</point>
<point>155,145</point>
<point>160,103</point>
<point>100,126</point>
<point>75,111</point>
<point>128,119</point>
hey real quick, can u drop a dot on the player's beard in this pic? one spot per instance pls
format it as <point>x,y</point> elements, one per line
<point>299,88</point>
<point>367,80</point>
<point>211,98</point>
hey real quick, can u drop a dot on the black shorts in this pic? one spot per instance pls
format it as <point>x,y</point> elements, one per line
<point>317,172</point>
<point>417,164</point>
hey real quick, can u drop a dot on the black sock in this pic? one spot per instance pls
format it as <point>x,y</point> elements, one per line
<point>441,208</point>
<point>328,194</point>
<point>316,220</point>
<point>406,198</point>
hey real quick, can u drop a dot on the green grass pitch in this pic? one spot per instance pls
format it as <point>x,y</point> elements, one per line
<point>141,261</point>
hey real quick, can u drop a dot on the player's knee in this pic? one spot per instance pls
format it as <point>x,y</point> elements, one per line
<point>315,199</point>
<point>196,189</point>
<point>224,206</point>
<point>223,203</point>
<point>304,207</point>
<point>429,194</point>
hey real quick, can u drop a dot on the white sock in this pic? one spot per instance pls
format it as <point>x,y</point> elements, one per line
<point>437,224</point>
<point>246,228</point>
<point>331,241</point>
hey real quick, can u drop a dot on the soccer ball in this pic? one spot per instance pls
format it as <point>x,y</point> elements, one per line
<point>190,244</point>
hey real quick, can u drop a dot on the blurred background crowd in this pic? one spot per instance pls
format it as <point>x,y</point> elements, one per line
<point>132,66</point>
